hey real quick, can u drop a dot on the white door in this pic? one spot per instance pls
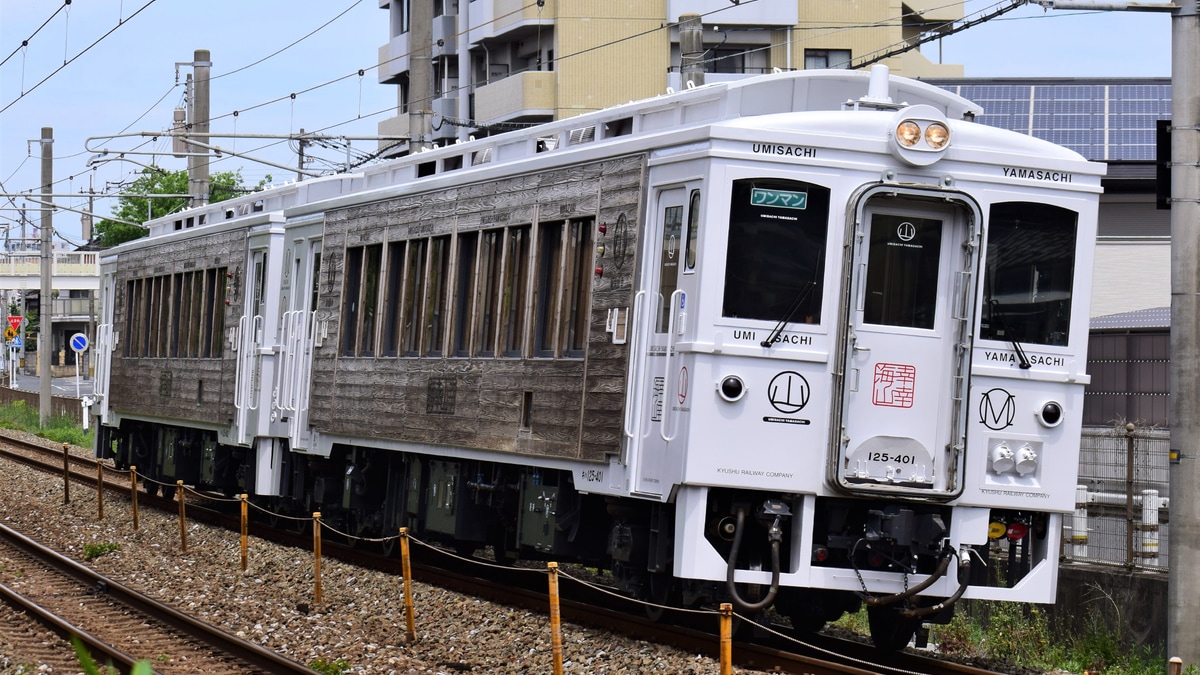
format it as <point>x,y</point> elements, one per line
<point>657,302</point>
<point>907,357</point>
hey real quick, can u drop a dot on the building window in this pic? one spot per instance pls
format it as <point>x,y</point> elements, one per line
<point>815,59</point>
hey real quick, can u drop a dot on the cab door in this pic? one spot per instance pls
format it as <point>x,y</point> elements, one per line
<point>907,347</point>
<point>651,421</point>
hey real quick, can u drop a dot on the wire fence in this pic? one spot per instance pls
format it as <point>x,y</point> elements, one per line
<point>1122,500</point>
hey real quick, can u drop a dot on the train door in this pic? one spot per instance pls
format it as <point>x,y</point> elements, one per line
<point>297,328</point>
<point>657,302</point>
<point>907,351</point>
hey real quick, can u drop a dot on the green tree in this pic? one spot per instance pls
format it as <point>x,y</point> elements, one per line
<point>153,181</point>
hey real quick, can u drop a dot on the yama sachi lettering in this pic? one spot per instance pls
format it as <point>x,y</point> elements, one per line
<point>1038,174</point>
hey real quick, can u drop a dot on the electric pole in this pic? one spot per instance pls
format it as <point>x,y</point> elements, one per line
<point>198,104</point>
<point>691,50</point>
<point>1183,582</point>
<point>46,303</point>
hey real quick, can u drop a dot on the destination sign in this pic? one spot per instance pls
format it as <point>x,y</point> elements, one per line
<point>786,199</point>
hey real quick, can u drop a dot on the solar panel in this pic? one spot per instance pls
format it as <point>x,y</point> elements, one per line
<point>1103,120</point>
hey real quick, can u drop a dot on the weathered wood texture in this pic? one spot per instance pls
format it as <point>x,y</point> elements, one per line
<point>195,389</point>
<point>576,404</point>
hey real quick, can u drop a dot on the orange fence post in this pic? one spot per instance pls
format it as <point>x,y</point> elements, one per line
<point>245,532</point>
<point>133,494</point>
<point>555,619</point>
<point>408,601</point>
<point>66,475</point>
<point>317,557</point>
<point>99,490</point>
<point>726,638</point>
<point>182,515</point>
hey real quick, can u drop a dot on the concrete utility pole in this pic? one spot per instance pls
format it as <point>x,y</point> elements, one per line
<point>198,104</point>
<point>1183,583</point>
<point>46,303</point>
<point>691,50</point>
<point>420,75</point>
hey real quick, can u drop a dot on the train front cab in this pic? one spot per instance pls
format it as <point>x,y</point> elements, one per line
<point>941,392</point>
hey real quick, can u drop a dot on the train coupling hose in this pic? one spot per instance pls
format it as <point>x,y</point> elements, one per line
<point>964,575</point>
<point>776,510</point>
<point>943,566</point>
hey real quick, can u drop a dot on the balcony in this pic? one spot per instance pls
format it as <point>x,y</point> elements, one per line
<point>510,15</point>
<point>531,94</point>
<point>780,14</point>
<point>393,59</point>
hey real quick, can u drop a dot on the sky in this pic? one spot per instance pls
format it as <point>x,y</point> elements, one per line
<point>101,68</point>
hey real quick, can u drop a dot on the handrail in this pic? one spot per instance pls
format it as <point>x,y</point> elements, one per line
<point>637,360</point>
<point>668,360</point>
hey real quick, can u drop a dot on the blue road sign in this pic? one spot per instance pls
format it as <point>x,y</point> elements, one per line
<point>16,342</point>
<point>79,342</point>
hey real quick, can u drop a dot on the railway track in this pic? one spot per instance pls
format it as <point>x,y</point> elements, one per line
<point>117,624</point>
<point>771,649</point>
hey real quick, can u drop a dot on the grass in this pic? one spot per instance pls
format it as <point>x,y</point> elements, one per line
<point>22,417</point>
<point>93,551</point>
<point>1023,634</point>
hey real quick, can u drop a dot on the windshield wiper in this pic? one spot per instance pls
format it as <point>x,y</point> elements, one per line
<point>1022,360</point>
<point>801,296</point>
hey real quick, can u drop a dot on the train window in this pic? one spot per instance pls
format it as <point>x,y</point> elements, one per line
<point>513,310</point>
<point>468,244</point>
<point>176,315</point>
<point>549,282</point>
<point>351,294</point>
<point>578,279</point>
<point>490,254</point>
<point>393,291</point>
<point>414,292</point>
<point>668,264</point>
<point>1030,270</point>
<point>693,232</point>
<point>775,262</point>
<point>373,258</point>
<point>435,303</point>
<point>902,271</point>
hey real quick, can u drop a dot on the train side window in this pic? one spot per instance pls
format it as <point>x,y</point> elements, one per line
<point>414,292</point>
<point>464,297</point>
<point>394,290</point>
<point>490,254</point>
<point>578,278</point>
<point>435,303</point>
<point>549,283</point>
<point>351,301</point>
<point>373,258</point>
<point>1028,279</point>
<point>693,232</point>
<point>516,281</point>
<point>775,262</point>
<point>176,315</point>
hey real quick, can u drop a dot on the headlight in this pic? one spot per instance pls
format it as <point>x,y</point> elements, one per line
<point>919,135</point>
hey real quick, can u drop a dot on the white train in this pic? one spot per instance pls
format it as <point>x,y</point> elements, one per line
<point>803,341</point>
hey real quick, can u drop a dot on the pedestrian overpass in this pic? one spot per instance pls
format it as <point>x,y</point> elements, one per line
<point>69,271</point>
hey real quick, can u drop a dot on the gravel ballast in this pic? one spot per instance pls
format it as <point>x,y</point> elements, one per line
<point>361,621</point>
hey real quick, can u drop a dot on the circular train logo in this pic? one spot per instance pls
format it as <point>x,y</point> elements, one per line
<point>906,231</point>
<point>997,409</point>
<point>788,392</point>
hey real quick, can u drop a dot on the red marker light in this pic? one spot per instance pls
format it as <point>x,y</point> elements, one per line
<point>1017,531</point>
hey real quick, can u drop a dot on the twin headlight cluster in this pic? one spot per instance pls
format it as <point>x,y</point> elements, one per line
<point>920,135</point>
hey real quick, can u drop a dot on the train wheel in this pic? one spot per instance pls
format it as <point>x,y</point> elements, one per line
<point>890,631</point>
<point>661,590</point>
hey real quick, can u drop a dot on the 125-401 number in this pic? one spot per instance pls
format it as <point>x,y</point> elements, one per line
<point>889,457</point>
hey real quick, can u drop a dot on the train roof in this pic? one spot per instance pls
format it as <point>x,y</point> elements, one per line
<point>781,92</point>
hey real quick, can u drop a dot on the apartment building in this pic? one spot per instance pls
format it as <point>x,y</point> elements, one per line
<point>493,64</point>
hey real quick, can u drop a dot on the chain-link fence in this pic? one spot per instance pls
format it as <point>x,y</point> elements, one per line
<point>1122,497</point>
